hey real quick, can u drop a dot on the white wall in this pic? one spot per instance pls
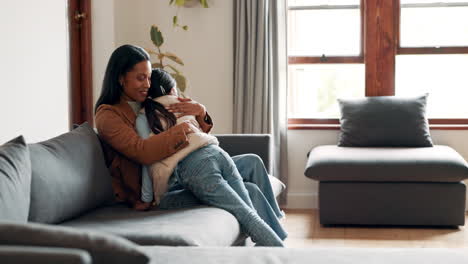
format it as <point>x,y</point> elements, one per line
<point>103,38</point>
<point>34,71</point>
<point>206,49</point>
<point>302,191</point>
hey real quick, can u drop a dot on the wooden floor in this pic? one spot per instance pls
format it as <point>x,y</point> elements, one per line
<point>305,231</point>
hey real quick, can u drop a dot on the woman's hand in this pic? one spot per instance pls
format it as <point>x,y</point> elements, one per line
<point>187,107</point>
<point>188,127</point>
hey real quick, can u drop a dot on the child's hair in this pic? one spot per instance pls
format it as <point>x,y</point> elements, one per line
<point>161,84</point>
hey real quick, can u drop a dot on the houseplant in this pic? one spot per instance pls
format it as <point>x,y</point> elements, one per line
<point>162,58</point>
<point>158,40</point>
<point>185,3</point>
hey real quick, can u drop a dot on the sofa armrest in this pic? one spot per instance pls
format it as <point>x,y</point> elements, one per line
<point>236,144</point>
<point>49,255</point>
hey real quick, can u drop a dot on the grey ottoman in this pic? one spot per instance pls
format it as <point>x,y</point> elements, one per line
<point>389,186</point>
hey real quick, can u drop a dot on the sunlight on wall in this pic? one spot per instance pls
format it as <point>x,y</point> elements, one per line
<point>34,69</point>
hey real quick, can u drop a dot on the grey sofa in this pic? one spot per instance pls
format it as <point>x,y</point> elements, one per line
<point>246,255</point>
<point>64,182</point>
<point>98,231</point>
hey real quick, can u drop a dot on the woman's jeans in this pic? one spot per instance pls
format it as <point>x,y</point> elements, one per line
<point>212,176</point>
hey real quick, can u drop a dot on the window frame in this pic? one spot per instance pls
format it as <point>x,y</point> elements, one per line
<point>379,82</point>
<point>331,59</point>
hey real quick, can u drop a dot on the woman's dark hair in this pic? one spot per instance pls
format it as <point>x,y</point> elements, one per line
<point>161,84</point>
<point>122,60</point>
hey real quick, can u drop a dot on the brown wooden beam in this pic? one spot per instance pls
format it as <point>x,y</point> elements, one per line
<point>432,50</point>
<point>313,121</point>
<point>380,47</point>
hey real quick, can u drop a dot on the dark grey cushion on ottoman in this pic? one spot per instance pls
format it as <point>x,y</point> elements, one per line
<point>15,180</point>
<point>69,176</point>
<point>384,121</point>
<point>432,164</point>
<point>197,226</point>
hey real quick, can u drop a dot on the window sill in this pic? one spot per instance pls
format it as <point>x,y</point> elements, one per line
<point>313,127</point>
<point>337,127</point>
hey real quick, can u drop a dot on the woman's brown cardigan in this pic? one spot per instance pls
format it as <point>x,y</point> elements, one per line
<point>125,150</point>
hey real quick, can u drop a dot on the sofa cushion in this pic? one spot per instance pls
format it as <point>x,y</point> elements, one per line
<point>69,176</point>
<point>433,164</point>
<point>43,255</point>
<point>104,248</point>
<point>15,180</point>
<point>384,121</point>
<point>197,226</point>
<point>277,186</point>
<point>317,255</point>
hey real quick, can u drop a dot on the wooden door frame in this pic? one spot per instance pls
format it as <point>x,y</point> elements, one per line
<point>81,81</point>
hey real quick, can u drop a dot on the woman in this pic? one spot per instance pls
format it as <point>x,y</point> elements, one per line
<point>125,86</point>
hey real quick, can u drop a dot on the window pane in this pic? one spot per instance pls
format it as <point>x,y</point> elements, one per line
<point>314,88</point>
<point>434,26</point>
<point>292,3</point>
<point>442,76</point>
<point>332,32</point>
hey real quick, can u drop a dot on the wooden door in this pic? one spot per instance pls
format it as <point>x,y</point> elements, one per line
<point>81,64</point>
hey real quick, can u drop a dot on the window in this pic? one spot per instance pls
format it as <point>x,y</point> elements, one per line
<point>432,56</point>
<point>325,55</point>
<point>339,49</point>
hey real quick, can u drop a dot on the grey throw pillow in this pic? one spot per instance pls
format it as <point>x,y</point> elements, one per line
<point>103,248</point>
<point>69,176</point>
<point>15,180</point>
<point>388,121</point>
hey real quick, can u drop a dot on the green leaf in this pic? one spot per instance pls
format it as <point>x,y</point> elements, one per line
<point>179,2</point>
<point>151,52</point>
<point>171,2</point>
<point>156,36</point>
<point>157,65</point>
<point>174,21</point>
<point>173,68</point>
<point>173,57</point>
<point>185,27</point>
<point>181,81</point>
<point>204,3</point>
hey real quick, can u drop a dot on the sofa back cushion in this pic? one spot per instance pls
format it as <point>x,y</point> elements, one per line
<point>69,176</point>
<point>15,180</point>
<point>384,121</point>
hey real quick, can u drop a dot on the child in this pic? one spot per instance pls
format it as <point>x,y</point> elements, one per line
<point>203,167</point>
<point>160,171</point>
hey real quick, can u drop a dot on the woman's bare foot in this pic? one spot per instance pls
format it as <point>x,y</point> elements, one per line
<point>141,206</point>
